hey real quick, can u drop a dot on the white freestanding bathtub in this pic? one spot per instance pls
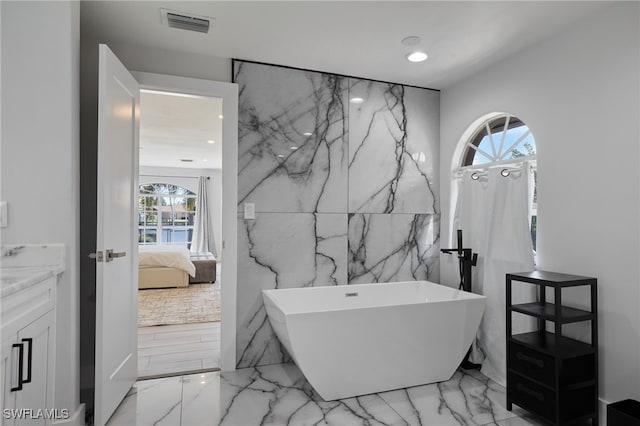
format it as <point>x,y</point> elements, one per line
<point>359,339</point>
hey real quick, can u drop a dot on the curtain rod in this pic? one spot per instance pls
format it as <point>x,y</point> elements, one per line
<point>182,177</point>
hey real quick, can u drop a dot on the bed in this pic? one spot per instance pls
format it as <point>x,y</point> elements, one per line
<point>164,266</point>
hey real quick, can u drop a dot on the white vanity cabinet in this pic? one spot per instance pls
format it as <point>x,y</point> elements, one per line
<point>28,335</point>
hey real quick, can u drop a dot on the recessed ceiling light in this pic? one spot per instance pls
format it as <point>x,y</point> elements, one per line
<point>356,100</point>
<point>221,116</point>
<point>211,141</point>
<point>417,57</point>
<point>293,148</point>
<point>307,133</point>
<point>205,160</point>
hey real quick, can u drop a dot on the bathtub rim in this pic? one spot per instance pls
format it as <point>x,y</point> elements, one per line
<point>469,296</point>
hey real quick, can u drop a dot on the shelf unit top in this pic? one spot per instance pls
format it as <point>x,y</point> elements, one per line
<point>554,279</point>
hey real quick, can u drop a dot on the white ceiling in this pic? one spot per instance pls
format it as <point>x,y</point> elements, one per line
<point>173,128</point>
<point>355,38</point>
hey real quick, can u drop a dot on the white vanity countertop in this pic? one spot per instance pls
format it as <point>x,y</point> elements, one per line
<point>23,265</point>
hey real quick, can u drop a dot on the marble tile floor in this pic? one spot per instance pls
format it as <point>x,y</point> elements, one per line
<point>278,395</point>
<point>168,350</point>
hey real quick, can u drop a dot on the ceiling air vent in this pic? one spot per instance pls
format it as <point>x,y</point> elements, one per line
<point>185,21</point>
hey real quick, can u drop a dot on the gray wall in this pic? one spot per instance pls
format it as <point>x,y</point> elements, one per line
<point>344,193</point>
<point>579,93</point>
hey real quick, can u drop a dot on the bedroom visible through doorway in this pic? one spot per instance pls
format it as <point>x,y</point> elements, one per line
<point>179,233</point>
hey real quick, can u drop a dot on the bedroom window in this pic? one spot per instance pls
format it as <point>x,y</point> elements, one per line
<point>165,214</point>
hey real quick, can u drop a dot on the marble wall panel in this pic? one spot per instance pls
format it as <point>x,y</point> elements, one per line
<point>393,247</point>
<point>344,193</point>
<point>393,148</point>
<point>282,250</point>
<point>292,143</point>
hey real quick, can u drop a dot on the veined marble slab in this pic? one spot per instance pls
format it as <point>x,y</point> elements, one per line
<point>23,265</point>
<point>151,402</point>
<point>394,138</point>
<point>283,250</point>
<point>393,247</point>
<point>319,167</point>
<point>280,395</point>
<point>292,142</point>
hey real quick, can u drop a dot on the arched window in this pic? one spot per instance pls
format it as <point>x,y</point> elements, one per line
<point>499,139</point>
<point>502,139</point>
<point>165,214</point>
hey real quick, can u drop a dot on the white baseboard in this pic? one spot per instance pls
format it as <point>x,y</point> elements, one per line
<point>77,419</point>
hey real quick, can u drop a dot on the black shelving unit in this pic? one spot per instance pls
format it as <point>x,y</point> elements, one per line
<point>548,374</point>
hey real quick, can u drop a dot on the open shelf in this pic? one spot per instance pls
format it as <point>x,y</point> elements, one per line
<point>547,311</point>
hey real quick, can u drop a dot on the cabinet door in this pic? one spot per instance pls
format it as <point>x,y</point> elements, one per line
<point>8,377</point>
<point>37,392</point>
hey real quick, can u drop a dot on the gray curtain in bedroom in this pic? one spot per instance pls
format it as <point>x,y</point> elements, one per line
<point>203,239</point>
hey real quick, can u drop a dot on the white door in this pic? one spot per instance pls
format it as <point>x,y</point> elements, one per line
<point>117,271</point>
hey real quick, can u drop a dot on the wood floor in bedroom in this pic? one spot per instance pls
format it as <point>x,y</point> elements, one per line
<point>167,350</point>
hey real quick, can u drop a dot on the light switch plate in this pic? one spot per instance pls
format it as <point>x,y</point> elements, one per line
<point>249,211</point>
<point>3,214</point>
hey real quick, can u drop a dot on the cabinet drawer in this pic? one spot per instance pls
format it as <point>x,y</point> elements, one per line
<point>530,363</point>
<point>531,396</point>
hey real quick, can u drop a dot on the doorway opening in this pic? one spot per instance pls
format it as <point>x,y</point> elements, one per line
<point>179,233</point>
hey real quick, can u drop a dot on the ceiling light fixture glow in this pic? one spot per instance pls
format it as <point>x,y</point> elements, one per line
<point>211,141</point>
<point>221,116</point>
<point>417,57</point>
<point>356,100</point>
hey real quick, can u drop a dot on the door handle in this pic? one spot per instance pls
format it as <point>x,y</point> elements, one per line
<point>29,359</point>
<point>110,254</point>
<point>20,347</point>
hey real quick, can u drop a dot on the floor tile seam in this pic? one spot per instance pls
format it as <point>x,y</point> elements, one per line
<point>158,343</point>
<point>183,356</point>
<point>174,334</point>
<point>157,365</point>
<point>189,325</point>
<point>177,374</point>
<point>396,411</point>
<point>173,351</point>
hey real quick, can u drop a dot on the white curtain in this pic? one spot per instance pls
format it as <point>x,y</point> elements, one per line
<point>494,214</point>
<point>203,239</point>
